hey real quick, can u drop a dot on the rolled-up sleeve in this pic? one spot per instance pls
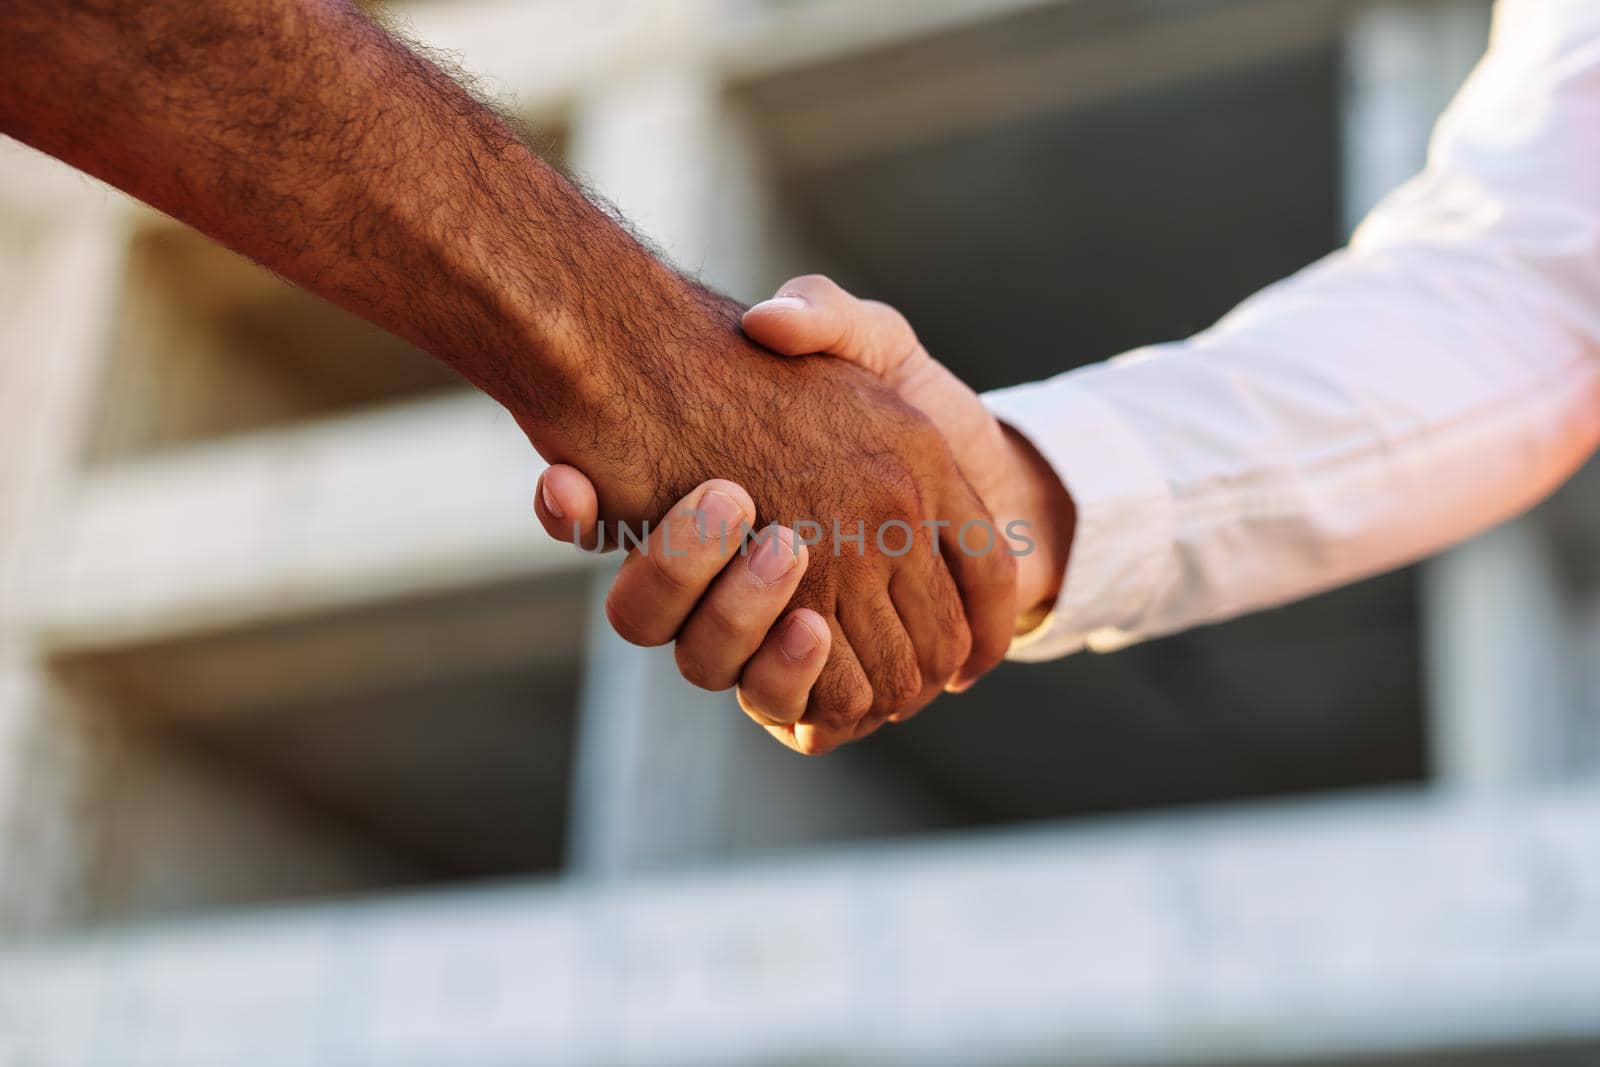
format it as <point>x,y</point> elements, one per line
<point>1436,377</point>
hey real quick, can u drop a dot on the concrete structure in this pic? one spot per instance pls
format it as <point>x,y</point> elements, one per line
<point>277,626</point>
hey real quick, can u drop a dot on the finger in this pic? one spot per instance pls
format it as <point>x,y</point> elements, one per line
<point>813,314</point>
<point>885,652</point>
<point>777,680</point>
<point>785,736</point>
<point>734,617</point>
<point>872,723</point>
<point>986,574</point>
<point>660,582</point>
<point>929,604</point>
<point>839,698</point>
<point>808,314</point>
<point>568,507</point>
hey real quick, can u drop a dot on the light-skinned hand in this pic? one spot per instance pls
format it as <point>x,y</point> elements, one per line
<point>755,645</point>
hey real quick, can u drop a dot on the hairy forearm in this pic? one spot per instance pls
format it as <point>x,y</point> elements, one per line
<point>303,135</point>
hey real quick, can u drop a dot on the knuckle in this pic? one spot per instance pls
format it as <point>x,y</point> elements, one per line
<point>670,571</point>
<point>725,620</point>
<point>841,709</point>
<point>902,492</point>
<point>1002,567</point>
<point>901,685</point>
<point>699,671</point>
<point>948,607</point>
<point>955,640</point>
<point>895,331</point>
<point>951,654</point>
<point>627,626</point>
<point>896,671</point>
<point>892,317</point>
<point>855,704</point>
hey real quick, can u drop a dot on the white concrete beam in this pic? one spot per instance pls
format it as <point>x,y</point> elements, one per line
<point>549,58</point>
<point>429,497</point>
<point>1378,925</point>
<point>945,87</point>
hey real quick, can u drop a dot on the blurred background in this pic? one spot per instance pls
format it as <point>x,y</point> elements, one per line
<point>314,751</point>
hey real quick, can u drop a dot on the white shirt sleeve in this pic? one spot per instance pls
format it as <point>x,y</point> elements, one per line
<point>1438,376</point>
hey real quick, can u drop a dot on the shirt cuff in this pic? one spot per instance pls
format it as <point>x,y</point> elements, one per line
<point>1121,549</point>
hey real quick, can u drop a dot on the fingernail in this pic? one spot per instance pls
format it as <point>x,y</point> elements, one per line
<point>718,516</point>
<point>798,640</point>
<point>774,557</point>
<point>550,504</point>
<point>786,303</point>
<point>960,686</point>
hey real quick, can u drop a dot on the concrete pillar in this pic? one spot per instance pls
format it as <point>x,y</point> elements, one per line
<point>668,775</point>
<point>754,244</point>
<point>679,159</point>
<point>646,140</point>
<point>1403,61</point>
<point>1502,698</point>
<point>650,747</point>
<point>63,250</point>
<point>1499,649</point>
<point>652,756</point>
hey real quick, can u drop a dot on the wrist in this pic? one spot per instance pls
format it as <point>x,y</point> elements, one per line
<point>595,356</point>
<point>621,388</point>
<point>1035,495</point>
<point>584,349</point>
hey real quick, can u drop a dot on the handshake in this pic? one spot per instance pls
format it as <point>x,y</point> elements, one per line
<point>815,510</point>
<point>884,539</point>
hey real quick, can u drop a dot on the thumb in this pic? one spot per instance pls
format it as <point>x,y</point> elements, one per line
<point>812,314</point>
<point>793,326</point>
<point>568,507</point>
